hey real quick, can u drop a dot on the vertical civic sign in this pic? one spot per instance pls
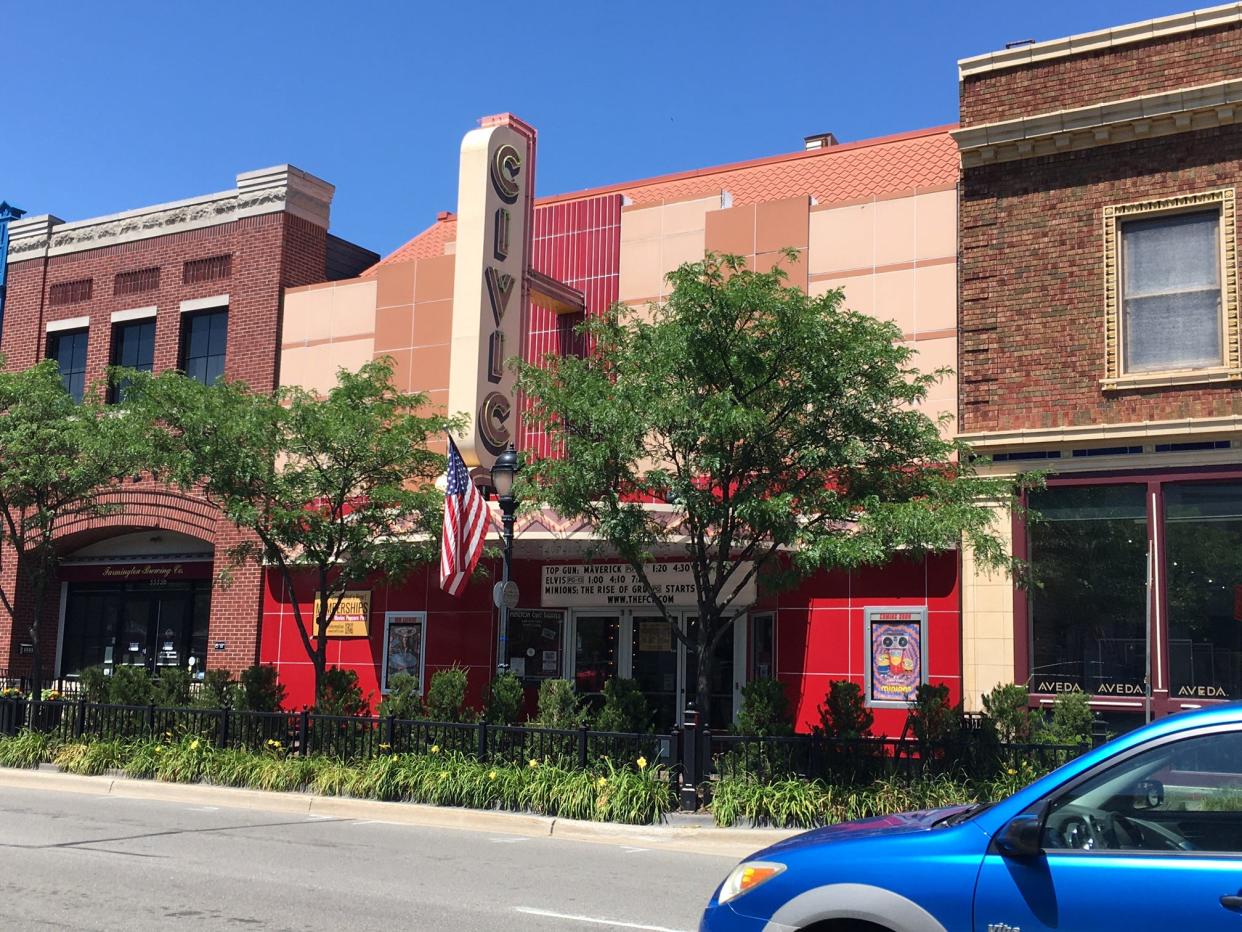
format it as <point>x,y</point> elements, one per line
<point>7,213</point>
<point>494,216</point>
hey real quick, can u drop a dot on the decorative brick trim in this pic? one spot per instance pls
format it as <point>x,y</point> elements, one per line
<point>1114,375</point>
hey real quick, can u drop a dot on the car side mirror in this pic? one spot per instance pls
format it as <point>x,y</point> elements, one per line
<point>1020,839</point>
<point>1148,794</point>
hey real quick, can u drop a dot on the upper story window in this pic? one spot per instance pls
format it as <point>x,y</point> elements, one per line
<point>68,348</point>
<point>1172,304</point>
<point>133,346</point>
<point>203,339</point>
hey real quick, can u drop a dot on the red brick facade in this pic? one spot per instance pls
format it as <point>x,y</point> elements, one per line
<point>266,254</point>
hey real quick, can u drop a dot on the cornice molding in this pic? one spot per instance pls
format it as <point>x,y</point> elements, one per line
<point>1181,111</point>
<point>269,190</point>
<point>1205,428</point>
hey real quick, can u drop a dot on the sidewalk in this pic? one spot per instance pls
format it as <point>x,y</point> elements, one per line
<point>695,834</point>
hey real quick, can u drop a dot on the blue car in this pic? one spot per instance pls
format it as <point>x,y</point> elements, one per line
<point>1142,833</point>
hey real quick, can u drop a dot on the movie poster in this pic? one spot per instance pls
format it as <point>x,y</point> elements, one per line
<point>896,660</point>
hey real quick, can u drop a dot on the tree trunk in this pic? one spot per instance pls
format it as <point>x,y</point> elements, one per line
<point>38,585</point>
<point>703,684</point>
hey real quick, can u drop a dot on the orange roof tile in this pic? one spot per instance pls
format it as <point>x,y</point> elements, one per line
<point>846,172</point>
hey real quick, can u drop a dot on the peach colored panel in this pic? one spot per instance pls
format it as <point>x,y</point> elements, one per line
<point>429,369</point>
<point>842,239</point>
<point>932,354</point>
<point>435,279</point>
<point>732,230</point>
<point>307,315</point>
<point>894,298</point>
<point>394,328</point>
<point>686,216</point>
<point>308,367</point>
<point>433,323</point>
<point>400,368</point>
<point>395,284</point>
<point>677,249</point>
<point>935,297</point>
<point>781,223</point>
<point>795,269</point>
<point>640,275</point>
<point>641,223</point>
<point>353,308</point>
<point>859,291</point>
<point>936,225</point>
<point>894,231</point>
<point>349,354</point>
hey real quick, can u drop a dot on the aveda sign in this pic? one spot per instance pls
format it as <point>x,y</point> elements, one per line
<point>494,216</point>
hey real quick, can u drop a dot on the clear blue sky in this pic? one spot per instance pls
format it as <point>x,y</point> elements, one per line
<point>110,106</point>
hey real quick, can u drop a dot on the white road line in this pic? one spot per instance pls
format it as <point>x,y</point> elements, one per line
<point>507,840</point>
<point>591,920</point>
<point>628,850</point>
<point>203,809</point>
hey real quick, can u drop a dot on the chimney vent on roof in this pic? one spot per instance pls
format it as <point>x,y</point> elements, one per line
<point>819,141</point>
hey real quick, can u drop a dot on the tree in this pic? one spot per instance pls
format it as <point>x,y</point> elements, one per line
<point>59,459</point>
<point>337,487</point>
<point>782,426</point>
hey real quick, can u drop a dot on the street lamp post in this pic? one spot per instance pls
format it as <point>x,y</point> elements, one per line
<point>504,471</point>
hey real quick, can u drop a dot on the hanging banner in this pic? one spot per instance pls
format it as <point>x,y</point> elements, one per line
<point>351,616</point>
<point>896,655</point>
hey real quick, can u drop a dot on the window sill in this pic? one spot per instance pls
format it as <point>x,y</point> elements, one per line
<point>1171,379</point>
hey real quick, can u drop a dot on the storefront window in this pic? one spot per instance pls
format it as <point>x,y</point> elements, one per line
<point>595,652</point>
<point>655,666</point>
<point>534,644</point>
<point>720,714</point>
<point>1088,554</point>
<point>762,647</point>
<point>1203,534</point>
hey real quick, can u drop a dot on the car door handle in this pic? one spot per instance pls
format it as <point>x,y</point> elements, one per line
<point>1231,901</point>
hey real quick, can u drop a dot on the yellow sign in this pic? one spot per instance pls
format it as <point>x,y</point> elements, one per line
<point>351,616</point>
<point>490,288</point>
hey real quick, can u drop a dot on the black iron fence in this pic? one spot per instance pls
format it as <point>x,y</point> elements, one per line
<point>693,758</point>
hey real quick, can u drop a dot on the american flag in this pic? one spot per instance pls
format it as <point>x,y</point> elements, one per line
<point>466,521</point>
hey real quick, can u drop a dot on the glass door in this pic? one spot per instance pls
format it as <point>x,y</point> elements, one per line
<point>653,664</point>
<point>593,647</point>
<point>722,705</point>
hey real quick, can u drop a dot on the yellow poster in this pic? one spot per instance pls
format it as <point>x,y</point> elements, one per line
<point>351,616</point>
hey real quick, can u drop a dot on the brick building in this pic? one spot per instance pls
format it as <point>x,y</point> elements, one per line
<point>195,284</point>
<point>1099,339</point>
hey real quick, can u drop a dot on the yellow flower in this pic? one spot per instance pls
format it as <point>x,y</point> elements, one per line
<point>443,774</point>
<point>168,734</point>
<point>159,750</point>
<point>491,775</point>
<point>194,745</point>
<point>385,747</point>
<point>534,763</point>
<point>642,763</point>
<point>601,782</point>
<point>435,749</point>
<point>1012,771</point>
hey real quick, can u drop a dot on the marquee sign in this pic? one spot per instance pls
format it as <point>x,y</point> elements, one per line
<point>594,585</point>
<point>494,216</point>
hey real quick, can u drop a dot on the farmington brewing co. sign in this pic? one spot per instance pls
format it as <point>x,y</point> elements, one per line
<point>599,585</point>
<point>494,216</point>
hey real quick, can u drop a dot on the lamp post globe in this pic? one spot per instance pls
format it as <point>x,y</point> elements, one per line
<point>504,471</point>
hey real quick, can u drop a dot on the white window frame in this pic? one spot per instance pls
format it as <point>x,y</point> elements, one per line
<point>391,618</point>
<point>1230,368</point>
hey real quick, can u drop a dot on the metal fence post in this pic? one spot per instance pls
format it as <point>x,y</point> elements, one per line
<point>79,727</point>
<point>582,747</point>
<point>481,747</point>
<point>224,726</point>
<point>390,731</point>
<point>690,760</point>
<point>1099,730</point>
<point>151,720</point>
<point>304,732</point>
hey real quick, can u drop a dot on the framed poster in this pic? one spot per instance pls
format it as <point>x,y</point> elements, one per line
<point>405,637</point>
<point>896,645</point>
<point>534,643</point>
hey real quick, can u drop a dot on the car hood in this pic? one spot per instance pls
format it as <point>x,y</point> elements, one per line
<point>901,823</point>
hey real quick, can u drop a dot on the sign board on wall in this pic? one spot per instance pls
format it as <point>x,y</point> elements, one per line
<point>494,216</point>
<point>351,617</point>
<point>587,585</point>
<point>534,643</point>
<point>896,641</point>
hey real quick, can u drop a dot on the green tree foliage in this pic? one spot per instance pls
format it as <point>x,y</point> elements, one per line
<point>1070,722</point>
<point>765,709</point>
<point>1008,706</point>
<point>625,708</point>
<point>94,684</point>
<point>260,690</point>
<point>340,694</point>
<point>130,686</point>
<point>844,713</point>
<point>403,700</point>
<point>777,422</point>
<point>60,462</point>
<point>559,706</point>
<point>936,722</point>
<point>504,703</point>
<point>446,695</point>
<point>333,489</point>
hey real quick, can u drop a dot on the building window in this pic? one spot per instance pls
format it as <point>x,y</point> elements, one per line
<point>1171,302</point>
<point>203,339</point>
<point>133,347</point>
<point>68,348</point>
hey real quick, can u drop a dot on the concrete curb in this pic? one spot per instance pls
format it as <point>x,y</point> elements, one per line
<point>725,842</point>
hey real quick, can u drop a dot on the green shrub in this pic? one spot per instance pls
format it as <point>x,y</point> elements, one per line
<point>1008,706</point>
<point>218,690</point>
<point>844,714</point>
<point>504,703</point>
<point>446,695</point>
<point>625,708</point>
<point>340,694</point>
<point>130,686</point>
<point>765,709</point>
<point>25,749</point>
<point>559,706</point>
<point>172,688</point>
<point>1070,722</point>
<point>89,758</point>
<point>183,761</point>
<point>95,684</point>
<point>935,723</point>
<point>403,700</point>
<point>260,690</point>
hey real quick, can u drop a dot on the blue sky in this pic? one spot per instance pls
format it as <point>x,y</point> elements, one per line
<point>110,106</point>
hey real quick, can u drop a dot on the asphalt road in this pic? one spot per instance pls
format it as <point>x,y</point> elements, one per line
<point>70,861</point>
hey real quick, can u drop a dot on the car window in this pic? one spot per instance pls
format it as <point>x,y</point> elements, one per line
<point>1181,796</point>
